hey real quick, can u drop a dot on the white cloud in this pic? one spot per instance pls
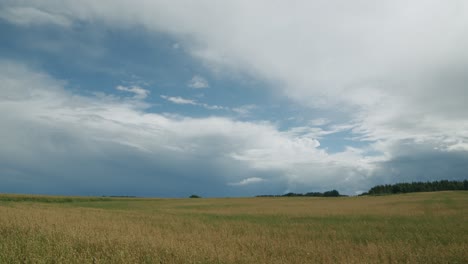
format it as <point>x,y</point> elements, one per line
<point>247,181</point>
<point>139,92</point>
<point>29,16</point>
<point>198,82</point>
<point>213,107</point>
<point>179,100</point>
<point>319,121</point>
<point>244,110</point>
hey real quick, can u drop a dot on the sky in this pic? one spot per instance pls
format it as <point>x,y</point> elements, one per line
<point>231,98</point>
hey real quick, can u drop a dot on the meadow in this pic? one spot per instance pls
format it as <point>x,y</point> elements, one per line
<point>408,228</point>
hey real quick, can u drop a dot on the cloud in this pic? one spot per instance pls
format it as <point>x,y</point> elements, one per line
<point>247,181</point>
<point>182,101</point>
<point>30,16</point>
<point>411,161</point>
<point>139,92</point>
<point>319,121</point>
<point>244,110</point>
<point>395,71</point>
<point>179,100</point>
<point>198,82</point>
<point>214,107</point>
<point>89,144</point>
<point>387,66</point>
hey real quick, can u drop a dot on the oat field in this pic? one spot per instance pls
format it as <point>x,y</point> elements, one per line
<point>410,228</point>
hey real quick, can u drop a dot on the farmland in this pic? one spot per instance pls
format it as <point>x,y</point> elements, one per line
<point>409,228</point>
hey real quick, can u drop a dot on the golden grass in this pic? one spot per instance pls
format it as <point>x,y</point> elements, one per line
<point>411,228</point>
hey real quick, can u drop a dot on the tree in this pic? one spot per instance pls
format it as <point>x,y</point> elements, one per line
<point>333,193</point>
<point>443,185</point>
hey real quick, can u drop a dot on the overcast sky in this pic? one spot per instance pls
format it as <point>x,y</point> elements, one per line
<point>231,98</point>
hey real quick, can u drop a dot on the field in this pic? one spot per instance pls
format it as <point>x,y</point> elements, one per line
<point>410,228</point>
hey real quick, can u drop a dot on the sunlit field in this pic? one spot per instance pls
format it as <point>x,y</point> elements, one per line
<point>410,228</point>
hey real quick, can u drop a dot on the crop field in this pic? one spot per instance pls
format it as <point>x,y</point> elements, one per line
<point>410,228</point>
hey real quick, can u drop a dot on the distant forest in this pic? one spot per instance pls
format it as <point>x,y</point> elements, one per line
<point>333,193</point>
<point>434,186</point>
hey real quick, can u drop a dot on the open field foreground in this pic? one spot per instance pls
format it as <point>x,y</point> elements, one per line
<point>410,228</point>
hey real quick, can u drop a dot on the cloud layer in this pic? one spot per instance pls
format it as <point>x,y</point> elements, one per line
<point>106,142</point>
<point>394,71</point>
<point>388,63</point>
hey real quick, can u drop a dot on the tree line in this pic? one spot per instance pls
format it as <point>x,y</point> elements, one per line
<point>433,186</point>
<point>332,193</point>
